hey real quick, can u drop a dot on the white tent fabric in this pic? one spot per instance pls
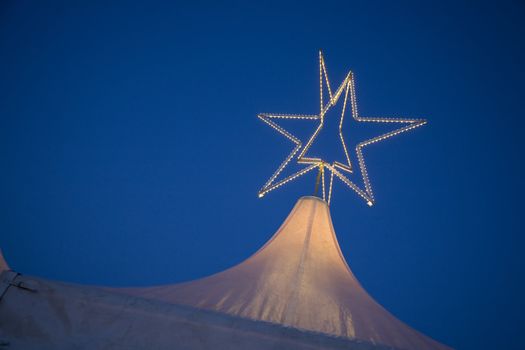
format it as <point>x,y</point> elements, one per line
<point>300,279</point>
<point>3,263</point>
<point>296,292</point>
<point>38,314</point>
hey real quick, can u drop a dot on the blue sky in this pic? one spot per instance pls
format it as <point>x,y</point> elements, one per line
<point>131,153</point>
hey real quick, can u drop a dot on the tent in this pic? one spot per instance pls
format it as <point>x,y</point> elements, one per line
<point>296,292</point>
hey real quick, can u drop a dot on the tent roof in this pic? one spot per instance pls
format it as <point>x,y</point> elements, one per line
<point>299,278</point>
<point>41,314</point>
<point>3,263</point>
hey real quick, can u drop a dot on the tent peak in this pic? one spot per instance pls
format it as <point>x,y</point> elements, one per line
<point>299,279</point>
<point>3,263</point>
<point>314,198</point>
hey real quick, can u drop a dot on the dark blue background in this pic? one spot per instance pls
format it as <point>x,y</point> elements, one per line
<point>131,153</point>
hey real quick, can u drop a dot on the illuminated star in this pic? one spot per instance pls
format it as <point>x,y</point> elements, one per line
<point>335,168</point>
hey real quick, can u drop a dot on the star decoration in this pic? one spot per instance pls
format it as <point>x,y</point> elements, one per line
<point>339,169</point>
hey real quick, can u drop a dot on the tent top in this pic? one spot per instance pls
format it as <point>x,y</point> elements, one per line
<point>3,263</point>
<point>300,279</point>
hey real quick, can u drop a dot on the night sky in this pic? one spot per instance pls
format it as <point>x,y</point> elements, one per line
<point>131,153</point>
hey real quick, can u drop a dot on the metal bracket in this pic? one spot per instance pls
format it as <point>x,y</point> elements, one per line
<point>7,279</point>
<point>25,286</point>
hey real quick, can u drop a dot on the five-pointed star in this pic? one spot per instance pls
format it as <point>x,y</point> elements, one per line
<point>336,168</point>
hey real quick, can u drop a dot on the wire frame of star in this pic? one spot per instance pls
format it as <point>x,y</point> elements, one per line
<point>337,169</point>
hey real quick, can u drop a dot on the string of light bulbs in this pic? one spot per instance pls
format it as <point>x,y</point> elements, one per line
<point>299,153</point>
